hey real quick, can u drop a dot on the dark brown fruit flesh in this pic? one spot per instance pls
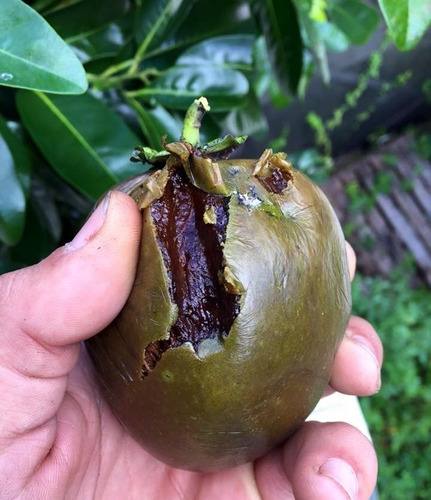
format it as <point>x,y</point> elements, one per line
<point>193,258</point>
<point>218,375</point>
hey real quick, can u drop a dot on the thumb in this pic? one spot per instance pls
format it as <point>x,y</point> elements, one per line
<point>77,290</point>
<point>45,310</point>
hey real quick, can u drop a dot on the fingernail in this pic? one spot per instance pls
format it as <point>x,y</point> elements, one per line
<point>343,474</point>
<point>365,344</point>
<point>92,226</point>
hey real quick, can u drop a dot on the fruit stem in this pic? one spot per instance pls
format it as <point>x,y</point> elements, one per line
<point>192,121</point>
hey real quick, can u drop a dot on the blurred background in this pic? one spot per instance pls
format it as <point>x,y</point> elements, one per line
<point>343,87</point>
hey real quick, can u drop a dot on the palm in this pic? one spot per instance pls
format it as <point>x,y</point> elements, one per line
<point>128,471</point>
<point>58,437</point>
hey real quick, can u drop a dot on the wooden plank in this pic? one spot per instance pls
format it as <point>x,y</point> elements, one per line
<point>400,220</point>
<point>415,217</point>
<point>419,190</point>
<point>381,258</point>
<point>409,207</point>
<point>425,175</point>
<point>405,232</point>
<point>390,251</point>
<point>402,147</point>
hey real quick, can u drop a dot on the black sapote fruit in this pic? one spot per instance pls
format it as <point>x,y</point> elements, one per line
<point>241,298</point>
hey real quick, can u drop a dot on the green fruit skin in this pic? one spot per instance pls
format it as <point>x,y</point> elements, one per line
<point>234,401</point>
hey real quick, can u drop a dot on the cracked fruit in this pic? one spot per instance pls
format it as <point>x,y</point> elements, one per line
<point>241,298</point>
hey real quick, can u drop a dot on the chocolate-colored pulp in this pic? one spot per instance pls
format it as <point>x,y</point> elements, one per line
<point>191,246</point>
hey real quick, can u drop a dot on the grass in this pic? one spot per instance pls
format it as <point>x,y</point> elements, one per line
<point>399,415</point>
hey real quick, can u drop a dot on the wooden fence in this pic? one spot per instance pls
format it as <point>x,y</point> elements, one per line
<point>383,201</point>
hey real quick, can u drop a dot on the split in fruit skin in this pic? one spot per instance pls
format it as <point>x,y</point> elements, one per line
<point>242,296</point>
<point>192,251</point>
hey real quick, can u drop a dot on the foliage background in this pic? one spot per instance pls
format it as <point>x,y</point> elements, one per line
<point>83,82</point>
<point>398,415</point>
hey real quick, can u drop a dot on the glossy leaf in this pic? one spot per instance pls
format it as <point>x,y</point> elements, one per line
<point>333,38</point>
<point>307,74</point>
<point>19,153</point>
<point>158,20</point>
<point>278,98</point>
<point>223,87</point>
<point>261,75</point>
<point>407,20</point>
<point>42,228</point>
<point>43,6</point>
<point>229,51</point>
<point>43,200</point>
<point>106,42</point>
<point>207,68</point>
<point>262,78</point>
<point>12,197</point>
<point>157,122</point>
<point>84,140</point>
<point>33,56</point>
<point>208,19</point>
<point>314,41</point>
<point>279,23</point>
<point>247,120</point>
<point>356,19</point>
<point>73,20</point>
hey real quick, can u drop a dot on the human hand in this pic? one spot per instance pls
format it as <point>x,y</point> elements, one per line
<point>60,440</point>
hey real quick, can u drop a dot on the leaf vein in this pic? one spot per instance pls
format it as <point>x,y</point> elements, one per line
<point>54,109</point>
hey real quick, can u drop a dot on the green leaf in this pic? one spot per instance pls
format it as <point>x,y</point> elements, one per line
<point>333,38</point>
<point>407,20</point>
<point>248,120</point>
<point>261,76</point>
<point>207,19</point>
<point>77,19</point>
<point>106,42</point>
<point>207,68</point>
<point>263,79</point>
<point>278,98</point>
<point>43,5</point>
<point>157,122</point>
<point>43,201</point>
<point>33,56</point>
<point>12,197</point>
<point>19,154</point>
<point>223,87</point>
<point>84,140</point>
<point>158,20</point>
<point>42,228</point>
<point>307,74</point>
<point>279,24</point>
<point>314,41</point>
<point>228,51</point>
<point>356,19</point>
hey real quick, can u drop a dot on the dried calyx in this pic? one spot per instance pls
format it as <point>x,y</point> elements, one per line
<point>200,162</point>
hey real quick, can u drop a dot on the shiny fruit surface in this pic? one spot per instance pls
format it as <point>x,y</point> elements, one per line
<point>240,301</point>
